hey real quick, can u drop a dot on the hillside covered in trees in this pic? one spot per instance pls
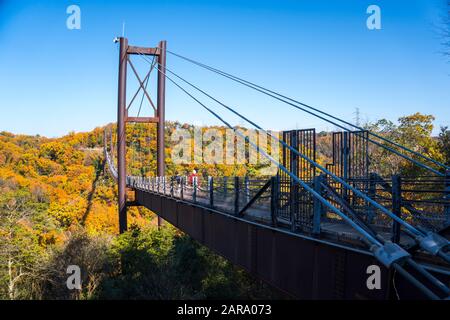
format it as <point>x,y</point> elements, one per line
<point>58,208</point>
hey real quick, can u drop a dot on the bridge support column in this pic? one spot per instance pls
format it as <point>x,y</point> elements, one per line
<point>236,195</point>
<point>211,191</point>
<point>294,186</point>
<point>122,116</point>
<point>161,105</point>
<point>121,135</point>
<point>345,162</point>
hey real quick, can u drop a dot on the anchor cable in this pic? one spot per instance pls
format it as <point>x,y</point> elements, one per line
<point>286,100</point>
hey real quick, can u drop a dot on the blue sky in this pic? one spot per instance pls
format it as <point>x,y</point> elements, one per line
<point>54,80</point>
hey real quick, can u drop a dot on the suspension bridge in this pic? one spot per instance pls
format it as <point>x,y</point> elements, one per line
<point>314,231</point>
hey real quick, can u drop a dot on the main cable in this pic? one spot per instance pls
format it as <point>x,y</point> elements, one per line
<point>417,233</point>
<point>336,178</point>
<point>276,95</point>
<point>360,230</point>
<point>363,232</point>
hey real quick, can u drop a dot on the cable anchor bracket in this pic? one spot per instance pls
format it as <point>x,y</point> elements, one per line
<point>390,253</point>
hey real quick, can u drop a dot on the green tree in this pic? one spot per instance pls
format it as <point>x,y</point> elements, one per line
<point>414,132</point>
<point>20,246</point>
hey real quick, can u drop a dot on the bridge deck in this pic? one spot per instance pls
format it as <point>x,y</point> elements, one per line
<point>334,229</point>
<point>306,267</point>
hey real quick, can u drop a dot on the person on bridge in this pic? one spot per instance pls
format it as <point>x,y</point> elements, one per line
<point>178,179</point>
<point>193,178</point>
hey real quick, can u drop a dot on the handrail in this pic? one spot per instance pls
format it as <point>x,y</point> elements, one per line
<point>399,259</point>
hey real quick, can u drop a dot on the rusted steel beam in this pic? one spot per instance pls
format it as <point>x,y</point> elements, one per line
<point>143,119</point>
<point>121,135</point>
<point>302,266</point>
<point>161,106</point>
<point>142,50</point>
<point>141,83</point>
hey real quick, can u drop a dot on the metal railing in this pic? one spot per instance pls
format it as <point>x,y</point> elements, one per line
<point>228,194</point>
<point>278,201</point>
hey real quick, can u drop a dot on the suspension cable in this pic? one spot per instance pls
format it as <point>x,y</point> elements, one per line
<point>366,233</point>
<point>368,237</point>
<point>336,178</point>
<point>415,232</point>
<point>277,96</point>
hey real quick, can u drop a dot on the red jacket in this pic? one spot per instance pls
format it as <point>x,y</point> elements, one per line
<point>191,178</point>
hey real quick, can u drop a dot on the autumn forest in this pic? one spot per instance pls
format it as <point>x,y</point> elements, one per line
<point>58,208</point>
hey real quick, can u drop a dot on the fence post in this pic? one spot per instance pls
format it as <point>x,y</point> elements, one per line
<point>164,185</point>
<point>182,188</point>
<point>447,197</point>
<point>274,199</point>
<point>345,162</point>
<point>247,190</point>
<point>225,182</point>
<point>171,186</point>
<point>194,185</point>
<point>396,206</point>
<point>317,205</point>
<point>236,195</point>
<point>157,184</point>
<point>211,191</point>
